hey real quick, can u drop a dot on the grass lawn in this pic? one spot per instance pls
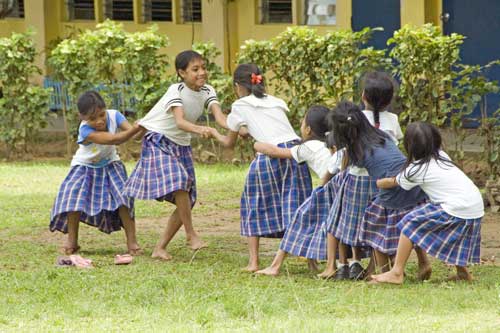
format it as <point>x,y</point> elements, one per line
<point>207,291</point>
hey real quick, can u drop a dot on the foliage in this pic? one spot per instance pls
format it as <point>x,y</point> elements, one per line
<point>114,62</point>
<point>308,68</point>
<point>23,105</point>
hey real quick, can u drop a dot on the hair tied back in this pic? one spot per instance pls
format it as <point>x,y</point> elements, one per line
<point>256,78</point>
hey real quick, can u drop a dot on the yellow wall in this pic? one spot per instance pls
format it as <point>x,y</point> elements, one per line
<point>227,28</point>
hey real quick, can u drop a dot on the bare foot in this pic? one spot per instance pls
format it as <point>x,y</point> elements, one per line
<point>135,249</point>
<point>312,265</point>
<point>462,275</point>
<point>269,271</point>
<point>424,272</point>
<point>196,243</point>
<point>161,254</point>
<point>250,268</point>
<point>326,274</point>
<point>70,249</point>
<point>388,277</point>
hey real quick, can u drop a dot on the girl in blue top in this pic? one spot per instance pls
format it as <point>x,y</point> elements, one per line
<point>93,190</point>
<point>374,150</point>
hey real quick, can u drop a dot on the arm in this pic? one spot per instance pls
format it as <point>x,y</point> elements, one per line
<point>106,138</point>
<point>272,151</point>
<point>183,124</point>
<point>387,183</point>
<point>326,178</point>
<point>219,116</point>
<point>228,141</point>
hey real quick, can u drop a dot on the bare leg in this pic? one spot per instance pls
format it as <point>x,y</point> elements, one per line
<point>381,261</point>
<point>129,226</point>
<point>356,253</point>
<point>331,252</point>
<point>71,244</point>
<point>312,264</point>
<point>274,269</point>
<point>343,253</point>
<point>424,266</point>
<point>173,225</point>
<point>396,274</point>
<point>463,274</point>
<point>253,260</point>
<point>370,269</point>
<point>183,203</point>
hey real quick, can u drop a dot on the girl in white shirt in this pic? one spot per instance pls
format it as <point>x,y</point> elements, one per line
<point>92,191</point>
<point>165,171</point>
<point>449,226</point>
<point>305,236</point>
<point>274,187</point>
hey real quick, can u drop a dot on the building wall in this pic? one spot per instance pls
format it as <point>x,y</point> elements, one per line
<point>228,27</point>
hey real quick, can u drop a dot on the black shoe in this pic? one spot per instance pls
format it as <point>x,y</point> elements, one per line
<point>342,273</point>
<point>356,272</point>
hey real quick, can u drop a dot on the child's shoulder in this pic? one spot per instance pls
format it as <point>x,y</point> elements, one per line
<point>267,101</point>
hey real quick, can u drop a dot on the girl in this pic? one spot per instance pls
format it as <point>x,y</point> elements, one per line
<point>92,191</point>
<point>373,149</point>
<point>344,221</point>
<point>449,226</point>
<point>165,170</point>
<point>274,188</point>
<point>304,235</point>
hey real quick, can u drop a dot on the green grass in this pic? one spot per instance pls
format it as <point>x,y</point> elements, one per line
<point>206,292</point>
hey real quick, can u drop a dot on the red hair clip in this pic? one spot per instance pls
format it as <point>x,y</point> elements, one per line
<point>256,79</point>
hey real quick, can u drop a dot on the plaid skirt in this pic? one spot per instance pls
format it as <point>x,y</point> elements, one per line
<point>454,240</point>
<point>306,235</point>
<point>346,215</point>
<point>274,190</point>
<point>379,228</point>
<point>96,193</point>
<point>164,167</point>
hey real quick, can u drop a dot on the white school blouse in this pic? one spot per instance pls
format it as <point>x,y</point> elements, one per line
<point>161,120</point>
<point>315,154</point>
<point>447,186</point>
<point>265,119</point>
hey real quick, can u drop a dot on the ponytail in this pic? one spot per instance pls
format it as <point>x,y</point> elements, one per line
<point>378,90</point>
<point>250,77</point>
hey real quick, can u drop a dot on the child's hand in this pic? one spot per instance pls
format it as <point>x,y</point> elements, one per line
<point>387,183</point>
<point>263,148</point>
<point>243,132</point>
<point>206,132</point>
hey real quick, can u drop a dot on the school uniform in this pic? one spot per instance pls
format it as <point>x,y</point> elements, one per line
<point>448,227</point>
<point>379,225</point>
<point>166,162</point>
<point>359,189</point>
<point>305,236</point>
<point>274,188</point>
<point>94,185</point>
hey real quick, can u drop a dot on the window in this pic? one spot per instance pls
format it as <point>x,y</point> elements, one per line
<point>276,11</point>
<point>158,10</point>
<point>191,10</point>
<point>17,9</point>
<point>120,10</point>
<point>81,9</point>
<point>320,12</point>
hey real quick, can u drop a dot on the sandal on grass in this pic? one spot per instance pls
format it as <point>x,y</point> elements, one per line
<point>123,259</point>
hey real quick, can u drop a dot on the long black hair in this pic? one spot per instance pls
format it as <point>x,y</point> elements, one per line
<point>243,77</point>
<point>89,102</point>
<point>378,90</point>
<point>316,119</point>
<point>350,129</point>
<point>422,142</point>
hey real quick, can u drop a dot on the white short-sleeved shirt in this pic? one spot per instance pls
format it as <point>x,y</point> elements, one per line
<point>315,154</point>
<point>92,154</point>
<point>335,162</point>
<point>160,119</point>
<point>448,186</point>
<point>265,119</point>
<point>389,124</point>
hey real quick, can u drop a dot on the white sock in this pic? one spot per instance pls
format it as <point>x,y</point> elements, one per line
<point>353,262</point>
<point>341,265</point>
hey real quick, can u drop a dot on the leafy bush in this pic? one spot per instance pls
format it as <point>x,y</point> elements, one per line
<point>23,105</point>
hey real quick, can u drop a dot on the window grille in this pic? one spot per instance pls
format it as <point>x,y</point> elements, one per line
<point>157,10</point>
<point>191,10</point>
<point>17,9</point>
<point>276,11</point>
<point>119,10</point>
<point>81,9</point>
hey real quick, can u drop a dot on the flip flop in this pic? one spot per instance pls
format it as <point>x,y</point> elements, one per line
<point>63,261</point>
<point>80,262</point>
<point>123,259</point>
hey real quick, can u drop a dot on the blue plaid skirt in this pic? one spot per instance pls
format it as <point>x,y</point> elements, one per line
<point>164,167</point>
<point>306,234</point>
<point>379,227</point>
<point>454,240</point>
<point>96,193</point>
<point>274,190</point>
